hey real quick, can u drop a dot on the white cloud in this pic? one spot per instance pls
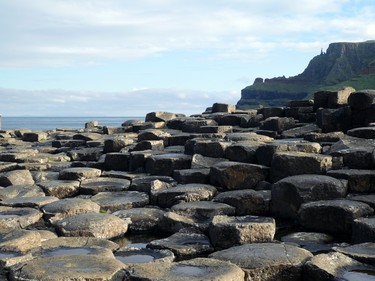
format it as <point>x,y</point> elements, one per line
<point>60,33</point>
<point>132,103</point>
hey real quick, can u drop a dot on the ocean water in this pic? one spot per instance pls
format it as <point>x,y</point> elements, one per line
<point>50,123</point>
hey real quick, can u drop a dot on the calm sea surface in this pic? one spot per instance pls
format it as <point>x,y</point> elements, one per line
<point>49,123</point>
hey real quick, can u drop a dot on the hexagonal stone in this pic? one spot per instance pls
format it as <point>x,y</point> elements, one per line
<point>92,225</point>
<point>102,184</point>
<point>79,173</point>
<point>142,219</point>
<point>236,175</point>
<point>203,210</point>
<point>364,252</point>
<point>71,267</point>
<point>19,240</point>
<point>60,188</point>
<point>314,242</point>
<point>185,193</point>
<point>34,136</point>
<point>16,177</point>
<point>267,261</point>
<point>17,191</point>
<point>185,244</point>
<point>114,201</point>
<point>332,216</point>
<point>192,270</point>
<point>32,202</point>
<point>363,230</point>
<point>226,232</point>
<point>358,180</point>
<point>79,242</point>
<point>246,201</point>
<point>289,193</point>
<point>68,207</point>
<point>336,266</point>
<point>144,255</point>
<point>285,164</point>
<point>165,164</point>
<point>11,218</point>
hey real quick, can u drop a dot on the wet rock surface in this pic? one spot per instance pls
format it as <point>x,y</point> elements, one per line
<point>265,194</point>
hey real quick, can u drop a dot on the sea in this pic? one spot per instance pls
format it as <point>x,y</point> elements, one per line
<point>51,123</point>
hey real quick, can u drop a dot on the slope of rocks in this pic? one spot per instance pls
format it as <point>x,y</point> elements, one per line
<point>267,194</point>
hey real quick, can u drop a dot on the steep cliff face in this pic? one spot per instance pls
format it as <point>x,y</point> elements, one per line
<point>340,63</point>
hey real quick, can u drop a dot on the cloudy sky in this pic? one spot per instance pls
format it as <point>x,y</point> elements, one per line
<point>127,58</point>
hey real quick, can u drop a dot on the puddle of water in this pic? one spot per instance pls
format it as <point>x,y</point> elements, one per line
<point>135,258</point>
<point>4,255</point>
<point>8,216</point>
<point>356,275</point>
<point>188,270</point>
<point>67,251</point>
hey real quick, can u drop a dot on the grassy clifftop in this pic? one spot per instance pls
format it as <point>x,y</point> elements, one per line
<point>344,64</point>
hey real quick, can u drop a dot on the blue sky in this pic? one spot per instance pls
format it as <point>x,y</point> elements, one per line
<point>127,58</point>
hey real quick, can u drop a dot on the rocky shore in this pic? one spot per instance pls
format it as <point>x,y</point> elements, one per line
<point>268,194</point>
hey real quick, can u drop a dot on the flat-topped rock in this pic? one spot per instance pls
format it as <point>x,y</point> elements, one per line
<point>11,218</point>
<point>332,216</point>
<point>192,270</point>
<point>336,266</point>
<point>267,261</point>
<point>92,225</point>
<point>120,200</point>
<point>285,164</point>
<point>19,240</point>
<point>364,252</point>
<point>143,255</point>
<point>165,164</point>
<point>246,201</point>
<point>68,207</point>
<point>248,136</point>
<point>79,173</point>
<point>141,219</point>
<point>16,177</point>
<point>236,175</point>
<point>315,242</point>
<point>60,188</point>
<point>184,244</point>
<point>76,242</point>
<point>70,267</point>
<point>32,202</point>
<point>18,191</point>
<point>289,193</point>
<point>363,230</point>
<point>226,231</point>
<point>358,180</point>
<point>185,193</point>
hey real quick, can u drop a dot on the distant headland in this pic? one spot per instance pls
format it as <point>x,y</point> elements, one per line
<point>343,64</point>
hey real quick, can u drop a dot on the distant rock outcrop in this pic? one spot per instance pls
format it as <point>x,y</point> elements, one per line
<point>344,64</point>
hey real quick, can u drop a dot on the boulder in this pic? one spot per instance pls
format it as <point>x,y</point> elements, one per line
<point>333,120</point>
<point>242,152</point>
<point>358,180</point>
<point>332,216</point>
<point>361,99</point>
<point>117,161</point>
<point>200,162</point>
<point>165,164</point>
<point>246,201</point>
<point>236,175</point>
<point>285,164</point>
<point>34,136</point>
<point>115,144</point>
<point>207,147</point>
<point>267,261</point>
<point>223,107</point>
<point>187,176</point>
<point>362,132</point>
<point>226,232</point>
<point>277,124</point>
<point>363,230</point>
<point>290,193</point>
<point>19,191</point>
<point>159,116</point>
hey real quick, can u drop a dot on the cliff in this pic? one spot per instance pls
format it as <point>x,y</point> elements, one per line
<point>343,64</point>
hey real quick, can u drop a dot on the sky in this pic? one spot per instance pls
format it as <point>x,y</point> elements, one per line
<point>128,58</point>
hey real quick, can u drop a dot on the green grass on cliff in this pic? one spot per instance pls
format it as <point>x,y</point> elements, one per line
<point>359,83</point>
